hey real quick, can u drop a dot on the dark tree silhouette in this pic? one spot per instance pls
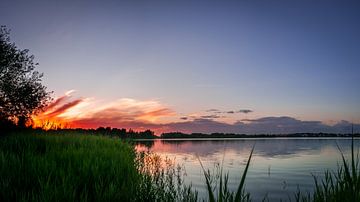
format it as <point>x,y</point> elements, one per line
<point>21,91</point>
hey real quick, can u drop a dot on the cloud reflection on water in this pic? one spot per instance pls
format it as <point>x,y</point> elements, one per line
<point>265,147</point>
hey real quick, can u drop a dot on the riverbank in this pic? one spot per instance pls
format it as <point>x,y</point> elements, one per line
<point>77,167</point>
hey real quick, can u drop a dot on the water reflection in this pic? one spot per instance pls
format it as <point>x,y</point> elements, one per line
<point>274,147</point>
<point>278,167</point>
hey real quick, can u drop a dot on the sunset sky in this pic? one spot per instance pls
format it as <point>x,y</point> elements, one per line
<point>195,66</point>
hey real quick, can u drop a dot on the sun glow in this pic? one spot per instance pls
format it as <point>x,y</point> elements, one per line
<point>49,124</point>
<point>69,112</point>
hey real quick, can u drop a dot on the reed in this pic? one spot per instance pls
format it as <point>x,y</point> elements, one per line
<point>340,185</point>
<point>223,192</point>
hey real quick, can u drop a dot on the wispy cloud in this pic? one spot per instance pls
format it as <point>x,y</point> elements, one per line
<point>62,109</point>
<point>147,114</point>
<point>88,113</point>
<point>213,116</point>
<point>245,111</point>
<point>212,110</point>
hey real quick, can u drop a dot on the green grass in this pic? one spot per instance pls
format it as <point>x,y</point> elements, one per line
<point>48,167</point>
<point>162,180</point>
<point>66,168</point>
<point>223,192</point>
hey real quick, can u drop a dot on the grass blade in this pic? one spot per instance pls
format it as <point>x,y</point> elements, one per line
<point>242,182</point>
<point>208,184</point>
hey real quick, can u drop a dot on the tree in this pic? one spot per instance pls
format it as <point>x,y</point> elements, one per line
<point>21,91</point>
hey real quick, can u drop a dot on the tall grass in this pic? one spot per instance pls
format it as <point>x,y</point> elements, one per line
<point>66,168</point>
<point>223,192</point>
<point>85,168</point>
<point>163,180</point>
<point>341,185</point>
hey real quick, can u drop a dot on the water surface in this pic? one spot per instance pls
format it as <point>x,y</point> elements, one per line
<point>279,165</point>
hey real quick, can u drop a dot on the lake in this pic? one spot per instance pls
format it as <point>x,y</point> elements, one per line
<point>278,168</point>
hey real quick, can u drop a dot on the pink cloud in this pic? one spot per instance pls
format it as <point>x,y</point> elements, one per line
<point>148,114</point>
<point>89,113</point>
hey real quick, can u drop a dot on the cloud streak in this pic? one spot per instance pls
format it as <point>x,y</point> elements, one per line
<point>64,108</point>
<point>212,110</point>
<point>87,113</point>
<point>245,111</point>
<point>151,114</point>
<point>265,125</point>
<point>210,116</point>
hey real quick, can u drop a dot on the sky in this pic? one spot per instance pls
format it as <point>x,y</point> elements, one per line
<point>195,66</point>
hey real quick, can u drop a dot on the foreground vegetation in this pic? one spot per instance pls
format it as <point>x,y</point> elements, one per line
<point>66,168</point>
<point>341,185</point>
<point>57,167</point>
<point>82,168</point>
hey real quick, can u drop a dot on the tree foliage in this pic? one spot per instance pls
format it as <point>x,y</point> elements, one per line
<point>21,91</point>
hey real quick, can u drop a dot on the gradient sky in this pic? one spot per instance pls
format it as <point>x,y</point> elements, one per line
<point>298,59</point>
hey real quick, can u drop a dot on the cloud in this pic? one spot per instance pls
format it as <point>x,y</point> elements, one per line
<point>147,114</point>
<point>245,111</point>
<point>89,113</point>
<point>57,102</point>
<point>155,114</point>
<point>200,116</point>
<point>130,110</point>
<point>115,115</point>
<point>212,110</point>
<point>282,124</point>
<point>210,116</point>
<point>265,125</point>
<point>64,108</point>
<point>70,92</point>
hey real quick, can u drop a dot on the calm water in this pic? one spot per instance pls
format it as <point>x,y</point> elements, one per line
<point>278,166</point>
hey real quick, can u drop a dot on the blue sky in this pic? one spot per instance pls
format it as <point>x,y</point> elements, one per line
<point>278,58</point>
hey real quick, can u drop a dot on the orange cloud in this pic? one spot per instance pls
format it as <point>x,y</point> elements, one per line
<point>153,115</point>
<point>66,111</point>
<point>126,113</point>
<point>55,103</point>
<point>89,113</point>
<point>64,108</point>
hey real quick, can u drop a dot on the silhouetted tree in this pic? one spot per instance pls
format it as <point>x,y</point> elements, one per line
<point>21,91</point>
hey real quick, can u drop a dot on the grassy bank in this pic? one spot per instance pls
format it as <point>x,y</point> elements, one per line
<point>66,168</point>
<point>48,167</point>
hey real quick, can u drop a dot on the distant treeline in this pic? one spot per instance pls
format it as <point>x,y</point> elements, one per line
<point>233,135</point>
<point>108,131</point>
<point>148,134</point>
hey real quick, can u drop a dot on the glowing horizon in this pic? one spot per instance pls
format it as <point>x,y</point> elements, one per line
<point>68,111</point>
